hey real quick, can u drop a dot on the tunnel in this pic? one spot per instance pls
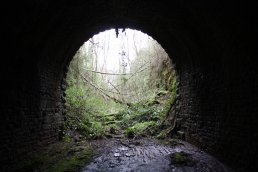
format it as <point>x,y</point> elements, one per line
<point>212,43</point>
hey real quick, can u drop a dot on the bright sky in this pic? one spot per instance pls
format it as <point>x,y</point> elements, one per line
<point>124,41</point>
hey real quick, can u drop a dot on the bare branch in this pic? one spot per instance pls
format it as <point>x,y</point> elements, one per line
<point>102,92</point>
<point>107,73</point>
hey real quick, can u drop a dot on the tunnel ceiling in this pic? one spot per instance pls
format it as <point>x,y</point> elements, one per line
<point>212,44</point>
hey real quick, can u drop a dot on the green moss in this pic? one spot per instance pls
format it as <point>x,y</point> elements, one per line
<point>65,165</point>
<point>29,164</point>
<point>130,132</point>
<point>171,99</point>
<point>109,118</point>
<point>72,163</point>
<point>162,135</point>
<point>138,128</point>
<point>170,142</point>
<point>58,157</point>
<point>66,138</point>
<point>162,92</point>
<point>180,158</point>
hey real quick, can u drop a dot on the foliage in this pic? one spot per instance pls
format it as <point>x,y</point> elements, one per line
<point>139,128</point>
<point>76,100</point>
<point>133,100</point>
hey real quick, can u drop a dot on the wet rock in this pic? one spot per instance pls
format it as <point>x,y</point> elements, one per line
<point>128,155</point>
<point>123,149</point>
<point>152,156</point>
<point>117,154</point>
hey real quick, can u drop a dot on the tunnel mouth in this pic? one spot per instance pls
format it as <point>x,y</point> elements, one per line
<point>120,83</point>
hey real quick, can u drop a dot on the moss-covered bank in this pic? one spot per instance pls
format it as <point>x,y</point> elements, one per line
<point>58,157</point>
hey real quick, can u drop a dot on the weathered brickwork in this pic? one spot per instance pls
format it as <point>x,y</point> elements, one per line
<point>212,45</point>
<point>218,117</point>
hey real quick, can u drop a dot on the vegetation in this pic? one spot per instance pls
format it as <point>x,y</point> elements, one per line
<point>58,157</point>
<point>181,158</point>
<point>131,97</point>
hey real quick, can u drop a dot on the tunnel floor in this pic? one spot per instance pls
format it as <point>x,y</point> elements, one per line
<point>142,155</point>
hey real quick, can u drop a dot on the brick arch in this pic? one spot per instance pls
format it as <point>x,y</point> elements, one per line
<point>212,45</point>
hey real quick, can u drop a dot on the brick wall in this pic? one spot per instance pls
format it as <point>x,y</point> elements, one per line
<point>212,45</point>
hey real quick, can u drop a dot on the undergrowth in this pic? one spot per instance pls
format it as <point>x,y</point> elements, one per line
<point>92,117</point>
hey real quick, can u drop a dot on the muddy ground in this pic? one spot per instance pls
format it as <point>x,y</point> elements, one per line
<point>149,155</point>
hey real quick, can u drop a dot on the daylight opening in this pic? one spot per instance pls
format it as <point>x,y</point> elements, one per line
<point>120,83</point>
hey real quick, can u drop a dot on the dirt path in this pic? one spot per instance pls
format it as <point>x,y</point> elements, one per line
<point>148,155</point>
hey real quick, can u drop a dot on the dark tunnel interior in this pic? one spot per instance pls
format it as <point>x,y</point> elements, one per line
<point>213,45</point>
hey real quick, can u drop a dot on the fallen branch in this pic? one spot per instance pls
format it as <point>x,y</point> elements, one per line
<point>107,73</point>
<point>103,93</point>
